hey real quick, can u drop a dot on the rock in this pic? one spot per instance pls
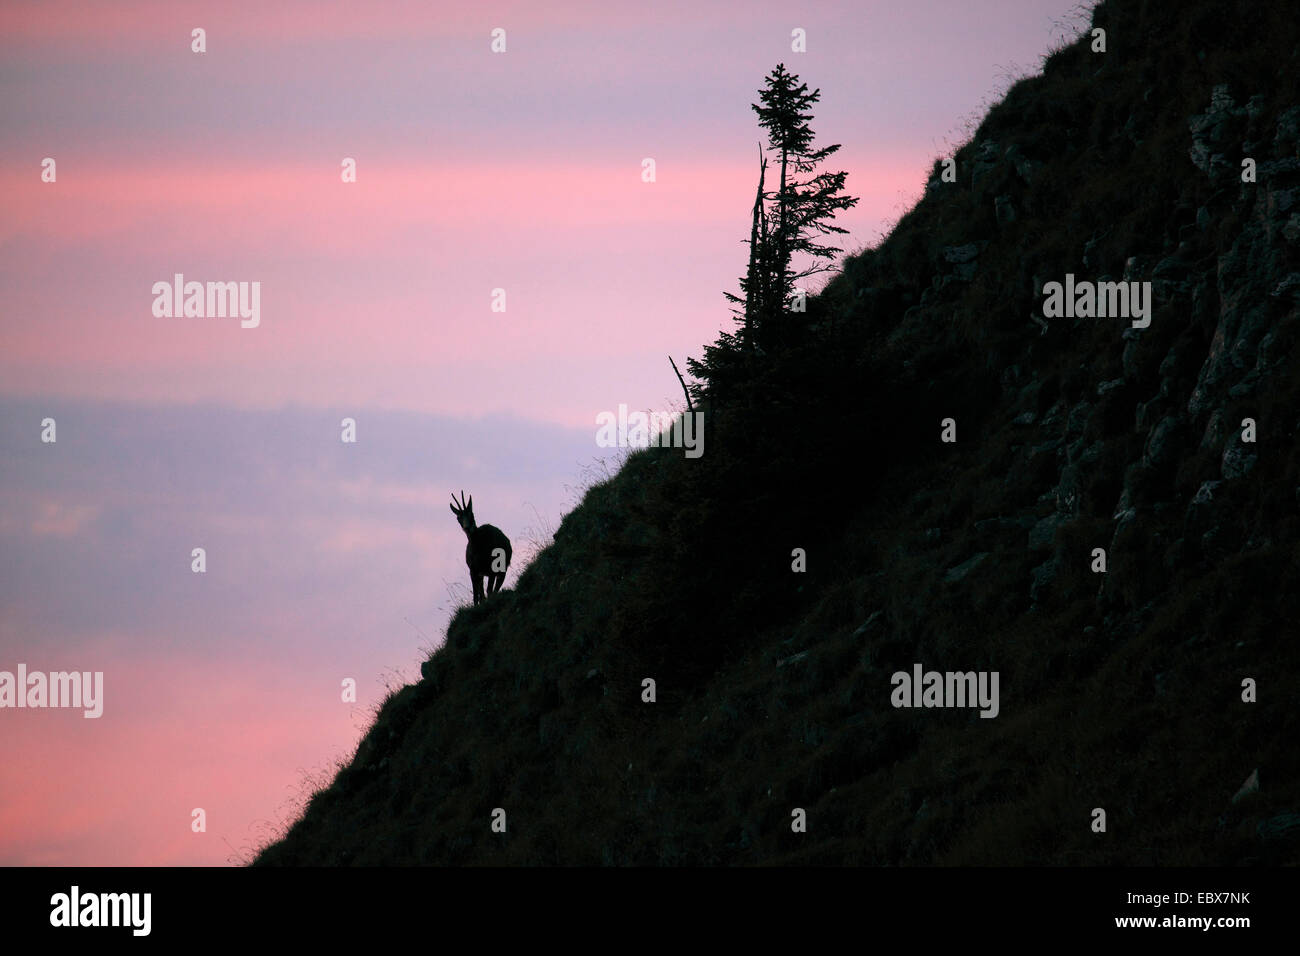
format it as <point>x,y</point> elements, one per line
<point>1169,279</point>
<point>1047,447</point>
<point>1169,268</point>
<point>998,523</point>
<point>1288,126</point>
<point>1200,156</point>
<point>1285,826</point>
<point>1004,211</point>
<point>1216,429</point>
<point>792,659</point>
<point>1278,169</point>
<point>1079,464</point>
<point>963,254</point>
<point>1028,396</point>
<point>1043,576</point>
<point>959,572</point>
<point>1237,462</point>
<point>1288,287</point>
<point>1162,443</point>
<point>1077,420</point>
<point>1145,411</point>
<point>1263,355</point>
<point>986,160</point>
<point>1250,786</point>
<point>1292,229</point>
<point>1212,542</point>
<point>1175,556</point>
<point>1169,363</point>
<point>1214,129</point>
<point>1110,386</point>
<point>1131,127</point>
<point>872,623</point>
<point>1043,534</point>
<point>1205,493</point>
<point>1243,321</point>
<point>1054,415</point>
<point>965,271</point>
<point>1280,201</point>
<point>1246,386</point>
<point>1024,167</point>
<point>1090,250</point>
<point>1128,359</point>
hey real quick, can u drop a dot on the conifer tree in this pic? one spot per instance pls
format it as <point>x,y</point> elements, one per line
<point>786,222</point>
<point>805,200</point>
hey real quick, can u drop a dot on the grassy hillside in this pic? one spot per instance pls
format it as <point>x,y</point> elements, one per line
<point>1119,690</point>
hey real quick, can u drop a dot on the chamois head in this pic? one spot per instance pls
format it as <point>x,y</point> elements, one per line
<point>465,513</point>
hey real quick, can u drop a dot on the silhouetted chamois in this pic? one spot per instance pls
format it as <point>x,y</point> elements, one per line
<point>488,550</point>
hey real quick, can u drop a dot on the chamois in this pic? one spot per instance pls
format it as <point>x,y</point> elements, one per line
<point>488,550</point>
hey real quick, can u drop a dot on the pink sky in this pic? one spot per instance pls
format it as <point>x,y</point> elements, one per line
<point>476,171</point>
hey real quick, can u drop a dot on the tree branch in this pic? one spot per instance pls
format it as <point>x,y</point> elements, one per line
<point>690,406</point>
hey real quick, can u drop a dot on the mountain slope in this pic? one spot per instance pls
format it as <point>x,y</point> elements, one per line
<point>1119,690</point>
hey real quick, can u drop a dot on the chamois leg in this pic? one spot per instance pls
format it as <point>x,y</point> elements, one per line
<point>477,584</point>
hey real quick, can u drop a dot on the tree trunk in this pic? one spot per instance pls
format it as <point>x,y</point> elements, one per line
<point>753,277</point>
<point>782,257</point>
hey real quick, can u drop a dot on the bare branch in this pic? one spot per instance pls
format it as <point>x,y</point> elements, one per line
<point>689,405</point>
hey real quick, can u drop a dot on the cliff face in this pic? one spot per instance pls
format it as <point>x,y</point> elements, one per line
<point>1168,441</point>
